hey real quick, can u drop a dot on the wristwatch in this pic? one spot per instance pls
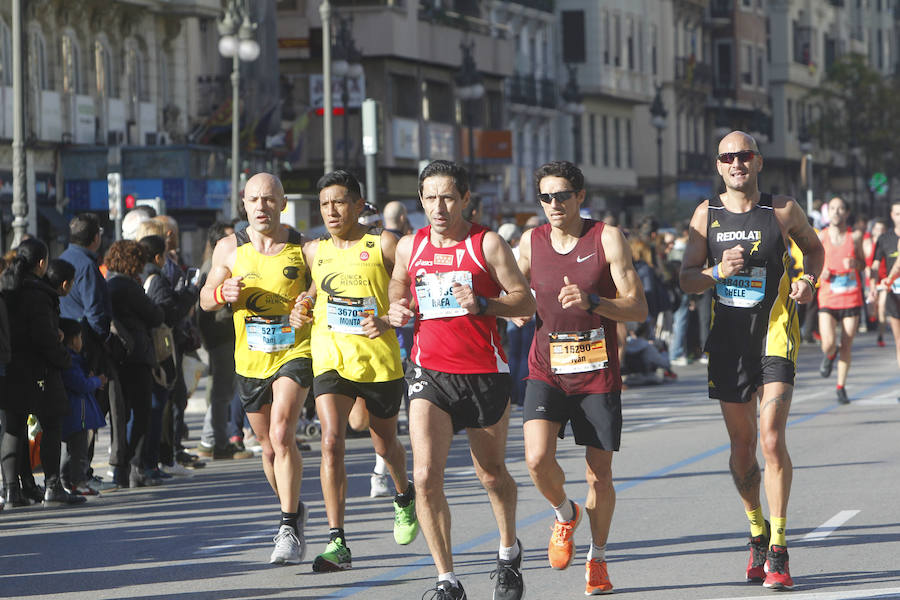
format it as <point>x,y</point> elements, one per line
<point>811,280</point>
<point>593,302</point>
<point>482,304</point>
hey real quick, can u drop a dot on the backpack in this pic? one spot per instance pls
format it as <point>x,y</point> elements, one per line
<point>161,335</point>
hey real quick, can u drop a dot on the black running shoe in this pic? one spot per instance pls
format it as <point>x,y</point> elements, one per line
<point>842,396</point>
<point>827,364</point>
<point>509,585</point>
<point>759,545</point>
<point>444,590</point>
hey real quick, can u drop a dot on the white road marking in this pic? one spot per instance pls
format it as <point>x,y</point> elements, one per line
<point>828,527</point>
<point>843,595</point>
<point>875,401</point>
<point>236,543</point>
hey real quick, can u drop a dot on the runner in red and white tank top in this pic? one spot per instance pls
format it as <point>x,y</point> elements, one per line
<point>450,277</point>
<point>840,293</point>
<point>447,337</point>
<point>584,280</point>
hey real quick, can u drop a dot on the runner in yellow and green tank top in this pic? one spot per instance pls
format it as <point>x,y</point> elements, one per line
<point>357,357</point>
<point>352,284</point>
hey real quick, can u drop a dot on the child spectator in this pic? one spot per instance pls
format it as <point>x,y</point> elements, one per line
<point>84,412</point>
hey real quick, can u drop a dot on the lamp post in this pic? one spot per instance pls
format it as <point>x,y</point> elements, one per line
<point>855,150</point>
<point>805,143</point>
<point>658,115</point>
<point>468,89</point>
<point>346,66</point>
<point>573,105</point>
<point>237,43</point>
<point>19,202</point>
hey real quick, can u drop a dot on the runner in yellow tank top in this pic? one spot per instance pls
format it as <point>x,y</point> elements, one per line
<point>260,272</point>
<point>356,356</point>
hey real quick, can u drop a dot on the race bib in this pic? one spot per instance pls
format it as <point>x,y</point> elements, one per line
<point>578,351</point>
<point>744,289</point>
<point>345,315</point>
<point>268,334</point>
<point>843,283</point>
<point>434,292</point>
<point>895,287</point>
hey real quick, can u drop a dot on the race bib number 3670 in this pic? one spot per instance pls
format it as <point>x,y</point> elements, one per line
<point>345,315</point>
<point>268,334</point>
<point>434,292</point>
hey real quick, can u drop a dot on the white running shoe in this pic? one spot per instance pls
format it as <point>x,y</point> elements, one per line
<point>176,469</point>
<point>380,488</point>
<point>289,548</point>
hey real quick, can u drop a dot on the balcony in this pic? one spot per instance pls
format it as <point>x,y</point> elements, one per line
<point>721,9</point>
<point>542,5</point>
<point>693,74</point>
<point>694,163</point>
<point>522,89</point>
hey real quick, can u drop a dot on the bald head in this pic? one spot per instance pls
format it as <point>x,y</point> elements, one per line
<point>738,140</point>
<point>264,181</point>
<point>394,215</point>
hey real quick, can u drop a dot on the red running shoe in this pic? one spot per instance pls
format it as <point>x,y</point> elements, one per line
<point>778,577</point>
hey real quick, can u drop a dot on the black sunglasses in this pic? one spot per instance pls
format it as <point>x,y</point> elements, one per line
<point>558,196</point>
<point>726,158</point>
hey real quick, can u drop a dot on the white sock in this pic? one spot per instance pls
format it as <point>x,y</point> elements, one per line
<point>451,577</point>
<point>509,553</point>
<point>565,511</point>
<point>380,465</point>
<point>597,552</point>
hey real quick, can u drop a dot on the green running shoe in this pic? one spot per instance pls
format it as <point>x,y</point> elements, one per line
<point>335,558</point>
<point>406,525</point>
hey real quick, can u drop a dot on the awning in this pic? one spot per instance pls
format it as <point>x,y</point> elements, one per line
<point>58,223</point>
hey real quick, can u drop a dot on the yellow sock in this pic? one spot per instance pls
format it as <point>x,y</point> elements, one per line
<point>757,522</point>
<point>778,535</point>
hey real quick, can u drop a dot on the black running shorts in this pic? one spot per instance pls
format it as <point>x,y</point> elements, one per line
<point>735,378</point>
<point>383,398</point>
<point>472,400</point>
<point>839,314</point>
<point>892,305</point>
<point>256,393</point>
<point>596,418</point>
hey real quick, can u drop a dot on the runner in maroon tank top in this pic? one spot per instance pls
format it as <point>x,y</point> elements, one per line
<point>583,279</point>
<point>450,276</point>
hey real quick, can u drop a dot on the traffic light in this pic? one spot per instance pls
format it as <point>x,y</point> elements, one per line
<point>130,201</point>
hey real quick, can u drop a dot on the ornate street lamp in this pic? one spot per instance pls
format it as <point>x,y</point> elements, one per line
<point>469,88</point>
<point>237,42</point>
<point>658,115</point>
<point>573,105</point>
<point>346,64</point>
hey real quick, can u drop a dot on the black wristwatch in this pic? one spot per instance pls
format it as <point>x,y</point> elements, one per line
<point>482,304</point>
<point>593,302</point>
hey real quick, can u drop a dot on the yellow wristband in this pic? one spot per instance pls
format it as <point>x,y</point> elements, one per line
<point>219,295</point>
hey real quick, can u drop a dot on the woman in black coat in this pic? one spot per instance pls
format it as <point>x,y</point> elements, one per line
<point>34,375</point>
<point>134,311</point>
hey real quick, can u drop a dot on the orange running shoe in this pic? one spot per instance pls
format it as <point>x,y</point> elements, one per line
<point>561,550</point>
<point>597,578</point>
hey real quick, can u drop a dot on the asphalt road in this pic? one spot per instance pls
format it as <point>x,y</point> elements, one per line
<point>679,530</point>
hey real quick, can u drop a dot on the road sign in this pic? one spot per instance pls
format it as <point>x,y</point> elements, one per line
<point>114,190</point>
<point>879,184</point>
